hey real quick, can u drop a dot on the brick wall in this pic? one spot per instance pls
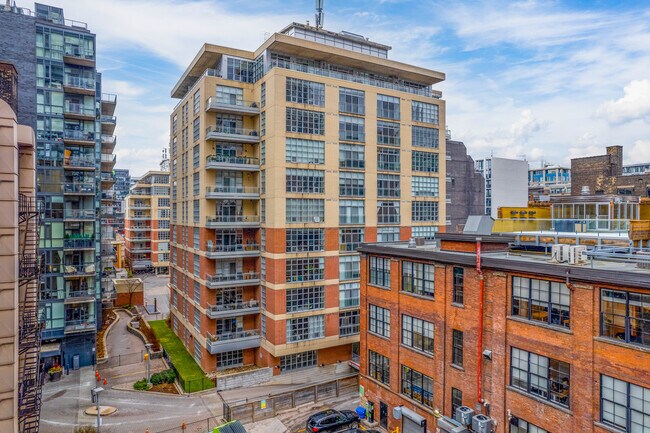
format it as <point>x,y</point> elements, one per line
<point>467,187</point>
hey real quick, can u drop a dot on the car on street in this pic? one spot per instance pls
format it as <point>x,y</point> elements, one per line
<point>332,421</point>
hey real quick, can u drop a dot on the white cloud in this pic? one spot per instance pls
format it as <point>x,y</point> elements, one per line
<point>634,105</point>
<point>640,152</point>
<point>125,89</point>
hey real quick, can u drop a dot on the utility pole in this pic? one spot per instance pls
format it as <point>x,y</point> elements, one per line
<point>148,358</point>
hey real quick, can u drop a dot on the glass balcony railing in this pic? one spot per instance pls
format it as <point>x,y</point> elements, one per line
<point>232,278</point>
<point>79,162</point>
<point>73,134</point>
<point>233,307</point>
<point>233,219</point>
<point>225,336</point>
<point>240,160</point>
<point>80,325</point>
<point>69,244</point>
<point>80,293</point>
<point>231,130</point>
<point>250,247</point>
<point>109,98</point>
<point>78,188</point>
<point>232,190</point>
<point>79,109</point>
<point>108,139</point>
<point>108,158</point>
<point>561,225</point>
<point>79,82</point>
<point>108,119</point>
<point>80,213</point>
<point>83,269</point>
<point>215,101</point>
<point>82,53</point>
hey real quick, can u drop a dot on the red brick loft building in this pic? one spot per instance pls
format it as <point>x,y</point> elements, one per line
<point>533,345</point>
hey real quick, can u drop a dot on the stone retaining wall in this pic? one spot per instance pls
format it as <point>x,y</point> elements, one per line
<point>244,379</point>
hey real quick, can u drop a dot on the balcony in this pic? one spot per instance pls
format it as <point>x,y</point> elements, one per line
<point>233,310</point>
<point>79,244</point>
<point>139,239</point>
<point>108,196</point>
<point>225,192</point>
<point>140,228</point>
<point>232,221</point>
<point>79,85</point>
<point>79,163</point>
<point>241,163</point>
<point>79,214</point>
<point>232,134</point>
<point>78,111</point>
<point>107,180</point>
<point>239,279</point>
<point>141,264</point>
<point>81,138</point>
<point>108,103</point>
<point>78,56</point>
<point>75,271</point>
<point>108,124</point>
<point>227,342</point>
<point>78,296</point>
<point>108,143</point>
<point>140,250</point>
<point>140,205</point>
<point>78,188</point>
<point>140,217</point>
<point>232,105</point>
<point>108,161</point>
<point>76,326</point>
<point>232,251</point>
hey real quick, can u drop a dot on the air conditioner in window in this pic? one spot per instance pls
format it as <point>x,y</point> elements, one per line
<point>464,415</point>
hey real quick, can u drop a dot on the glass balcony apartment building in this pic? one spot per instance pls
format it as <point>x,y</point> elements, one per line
<point>283,161</point>
<point>62,99</point>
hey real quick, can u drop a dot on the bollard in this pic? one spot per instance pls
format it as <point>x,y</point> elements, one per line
<point>183,426</point>
<point>105,382</point>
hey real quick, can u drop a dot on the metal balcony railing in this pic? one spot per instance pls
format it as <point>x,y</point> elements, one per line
<point>233,219</point>
<point>232,190</point>
<point>227,278</point>
<point>88,268</point>
<point>233,306</point>
<point>226,336</point>
<point>240,160</point>
<point>80,293</point>
<point>233,248</point>
<point>80,325</point>
<point>220,129</point>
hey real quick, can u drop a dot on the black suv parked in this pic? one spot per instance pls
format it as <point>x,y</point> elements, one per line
<point>332,420</point>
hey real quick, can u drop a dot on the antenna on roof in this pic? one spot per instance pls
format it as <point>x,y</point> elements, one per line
<point>319,14</point>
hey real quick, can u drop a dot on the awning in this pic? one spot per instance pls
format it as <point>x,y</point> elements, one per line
<point>50,349</point>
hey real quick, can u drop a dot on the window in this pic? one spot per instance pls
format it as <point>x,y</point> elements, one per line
<point>351,156</point>
<point>424,186</point>
<point>351,212</point>
<point>196,128</point>
<point>263,296</point>
<point>305,328</point>
<point>240,70</point>
<point>624,405</point>
<point>417,333</point>
<point>423,112</point>
<point>197,237</point>
<point>352,101</point>
<point>197,351</point>
<point>379,367</point>
<point>387,234</point>
<point>543,301</point>
<point>388,185</point>
<point>305,151</point>
<point>417,386</point>
<point>303,240</point>
<point>457,348</point>
<point>426,232</point>
<point>263,326</point>
<point>163,202</point>
<point>298,360</point>
<point>387,107</point>
<point>196,183</point>
<point>379,320</point>
<point>230,95</point>
<point>305,121</point>
<point>625,316</point>
<point>424,211</point>
<point>352,128</point>
<point>305,181</point>
<point>305,92</point>
<point>426,162</point>
<point>544,377</point>
<point>349,267</point>
<point>175,125</point>
<point>304,210</point>
<point>379,271</point>
<point>350,238</point>
<point>196,102</point>
<point>349,295</point>
<point>307,269</point>
<point>518,425</point>
<point>230,359</point>
<point>263,95</point>
<point>388,133</point>
<point>197,320</point>
<point>459,275</point>
<point>263,181</point>
<point>351,184</point>
<point>263,123</point>
<point>305,298</point>
<point>388,159</point>
<point>349,323</point>
<point>197,292</point>
<point>424,137</point>
<point>263,211</point>
<point>456,399</point>
<point>418,278</point>
<point>388,212</point>
<point>263,152</point>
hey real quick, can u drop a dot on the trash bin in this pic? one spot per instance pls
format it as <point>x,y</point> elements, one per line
<point>361,411</point>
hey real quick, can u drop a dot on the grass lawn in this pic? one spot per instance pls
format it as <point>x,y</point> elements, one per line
<point>192,377</point>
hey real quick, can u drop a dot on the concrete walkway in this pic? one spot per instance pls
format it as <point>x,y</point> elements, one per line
<point>119,341</point>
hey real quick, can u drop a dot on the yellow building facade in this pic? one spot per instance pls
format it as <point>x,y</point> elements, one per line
<point>283,161</point>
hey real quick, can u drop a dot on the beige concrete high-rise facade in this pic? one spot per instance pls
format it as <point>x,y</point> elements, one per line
<point>20,375</point>
<point>146,223</point>
<point>283,161</point>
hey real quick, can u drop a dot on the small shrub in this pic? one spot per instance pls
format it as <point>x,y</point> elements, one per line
<point>157,378</point>
<point>140,385</point>
<point>85,429</point>
<point>171,376</point>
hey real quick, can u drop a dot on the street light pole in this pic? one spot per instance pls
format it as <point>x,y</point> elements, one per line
<point>96,392</point>
<point>148,347</point>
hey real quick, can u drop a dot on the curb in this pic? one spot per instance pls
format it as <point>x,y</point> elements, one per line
<point>105,358</point>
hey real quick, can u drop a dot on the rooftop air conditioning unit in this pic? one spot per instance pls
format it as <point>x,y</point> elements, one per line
<point>577,254</point>
<point>481,424</point>
<point>449,425</point>
<point>560,253</point>
<point>464,415</point>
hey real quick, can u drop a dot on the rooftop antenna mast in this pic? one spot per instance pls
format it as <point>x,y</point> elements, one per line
<point>319,14</point>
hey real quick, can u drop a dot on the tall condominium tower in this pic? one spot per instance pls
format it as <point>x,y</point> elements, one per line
<point>62,100</point>
<point>283,161</point>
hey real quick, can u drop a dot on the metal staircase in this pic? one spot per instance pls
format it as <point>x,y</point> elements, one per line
<point>30,378</point>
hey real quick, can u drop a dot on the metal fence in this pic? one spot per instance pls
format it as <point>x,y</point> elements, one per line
<point>202,426</point>
<point>124,359</point>
<point>189,385</point>
<point>247,411</point>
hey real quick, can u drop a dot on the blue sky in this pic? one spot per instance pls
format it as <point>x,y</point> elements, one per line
<point>547,79</point>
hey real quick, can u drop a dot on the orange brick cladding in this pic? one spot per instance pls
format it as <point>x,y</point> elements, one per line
<point>581,345</point>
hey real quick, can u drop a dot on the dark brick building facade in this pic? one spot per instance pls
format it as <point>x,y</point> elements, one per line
<point>556,339</point>
<point>465,188</point>
<point>603,174</point>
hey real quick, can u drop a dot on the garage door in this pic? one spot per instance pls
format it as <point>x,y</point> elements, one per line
<point>410,426</point>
